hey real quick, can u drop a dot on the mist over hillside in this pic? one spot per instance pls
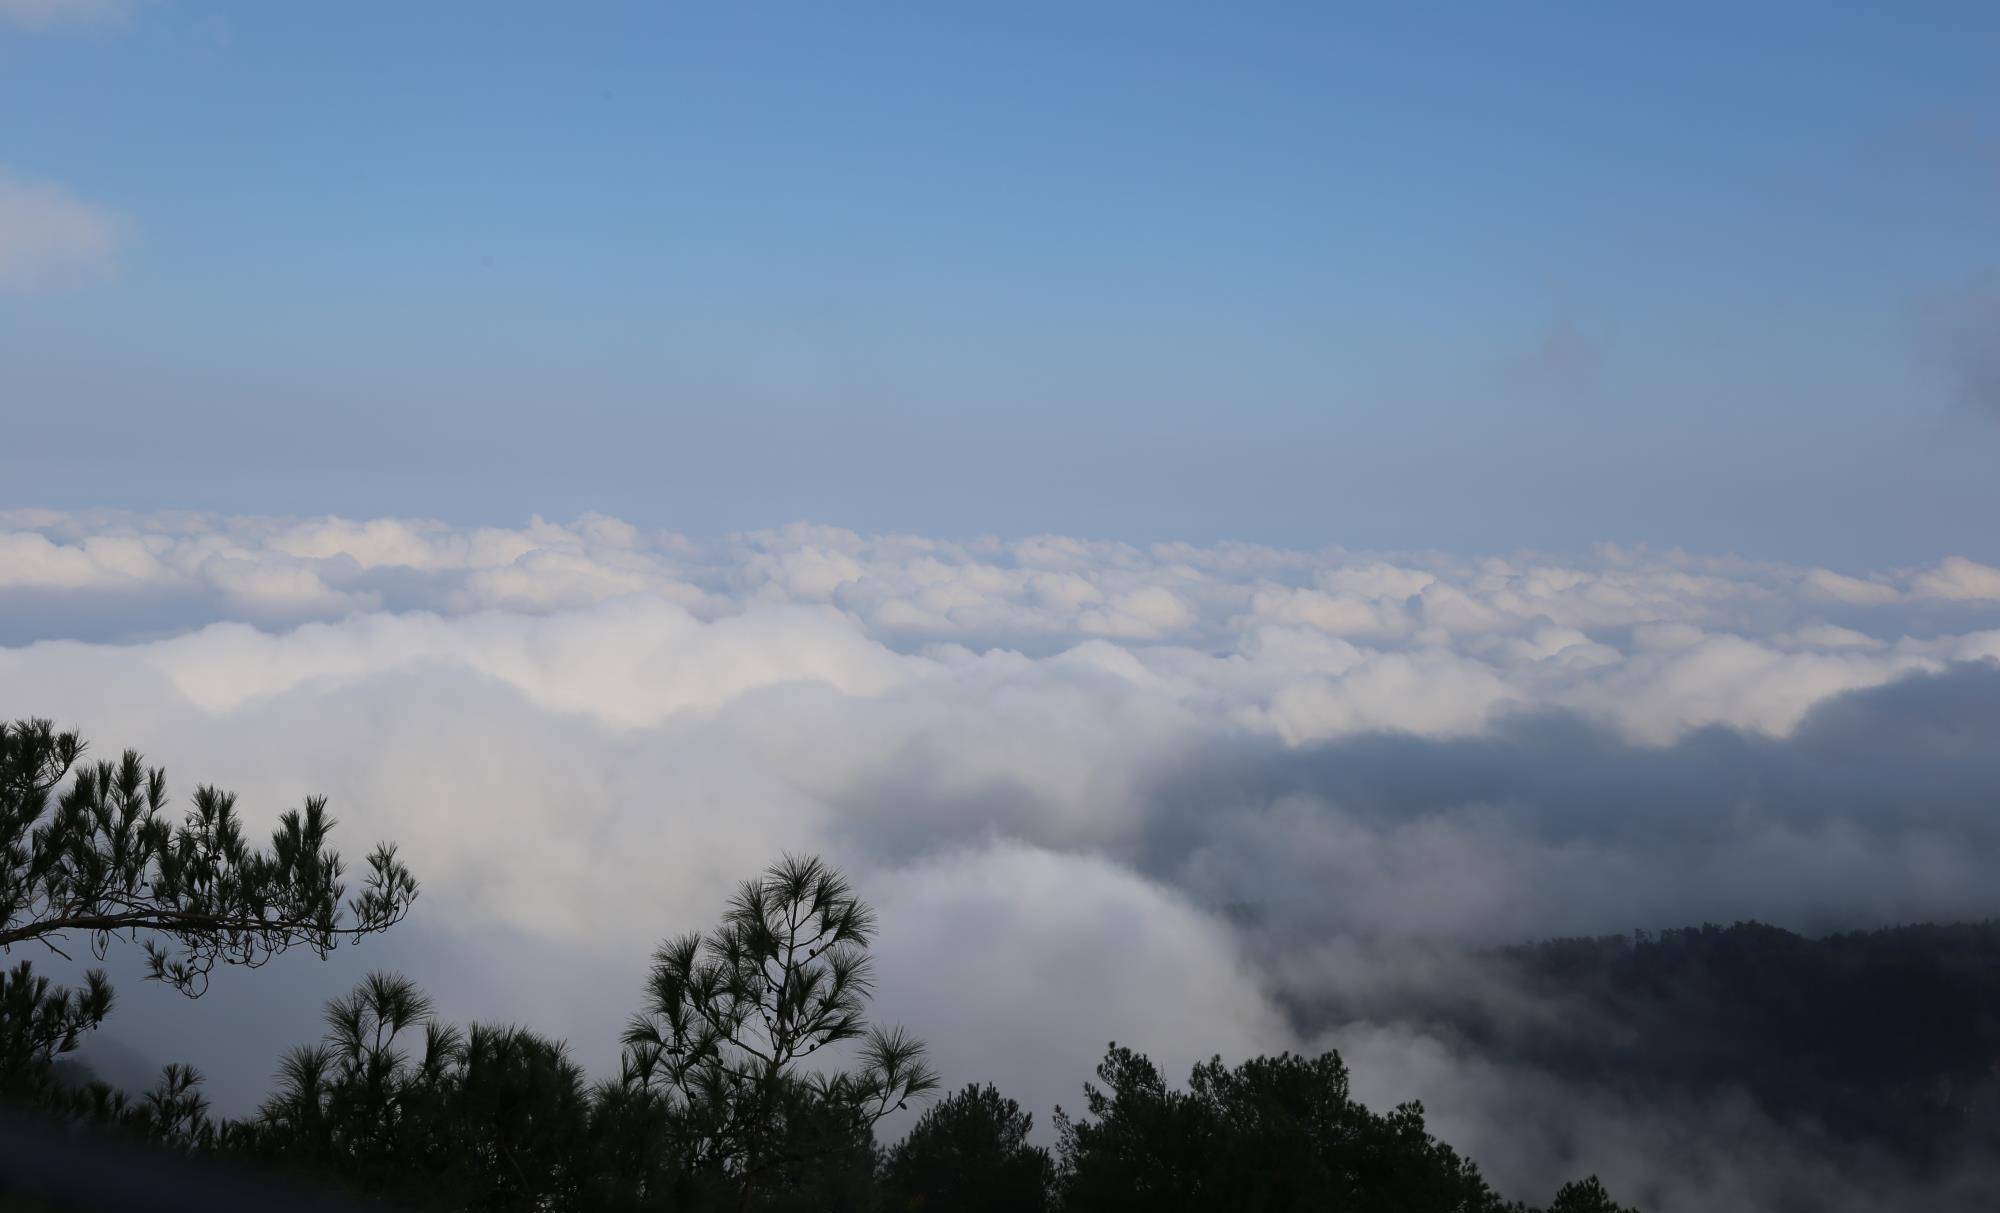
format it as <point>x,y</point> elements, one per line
<point>1391,608</point>
<point>1193,797</point>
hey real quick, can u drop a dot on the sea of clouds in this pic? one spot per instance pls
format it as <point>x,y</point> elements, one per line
<point>1219,799</point>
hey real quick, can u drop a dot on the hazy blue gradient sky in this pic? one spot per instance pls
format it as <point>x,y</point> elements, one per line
<point>1467,277</point>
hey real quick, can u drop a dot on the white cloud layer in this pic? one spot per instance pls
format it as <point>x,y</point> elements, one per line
<point>1097,790</point>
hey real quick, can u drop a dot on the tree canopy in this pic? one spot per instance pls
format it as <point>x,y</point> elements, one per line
<point>99,859</point>
<point>970,1152</point>
<point>1274,1133</point>
<point>732,1016</point>
<point>752,1075</point>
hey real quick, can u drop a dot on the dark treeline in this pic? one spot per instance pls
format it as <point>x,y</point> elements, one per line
<point>713,1110</point>
<point>515,1126</point>
<point>751,1076</point>
<point>1888,1038</point>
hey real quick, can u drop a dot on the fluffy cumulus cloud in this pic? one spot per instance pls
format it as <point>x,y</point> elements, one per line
<point>1957,579</point>
<point>1167,794</point>
<point>49,236</point>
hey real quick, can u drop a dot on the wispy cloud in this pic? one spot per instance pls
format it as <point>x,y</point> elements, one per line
<point>41,14</point>
<point>50,237</point>
<point>1565,364</point>
<point>1960,330</point>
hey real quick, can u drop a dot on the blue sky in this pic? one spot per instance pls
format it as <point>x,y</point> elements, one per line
<point>1454,277</point>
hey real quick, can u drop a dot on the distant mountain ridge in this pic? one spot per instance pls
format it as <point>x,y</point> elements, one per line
<point>1886,1037</point>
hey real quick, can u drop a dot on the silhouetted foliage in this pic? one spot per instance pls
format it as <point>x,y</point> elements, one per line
<point>717,1106</point>
<point>101,861</point>
<point>98,859</point>
<point>732,1015</point>
<point>40,1021</point>
<point>1586,1196</point>
<point>395,1103</point>
<point>1274,1133</point>
<point>970,1152</point>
